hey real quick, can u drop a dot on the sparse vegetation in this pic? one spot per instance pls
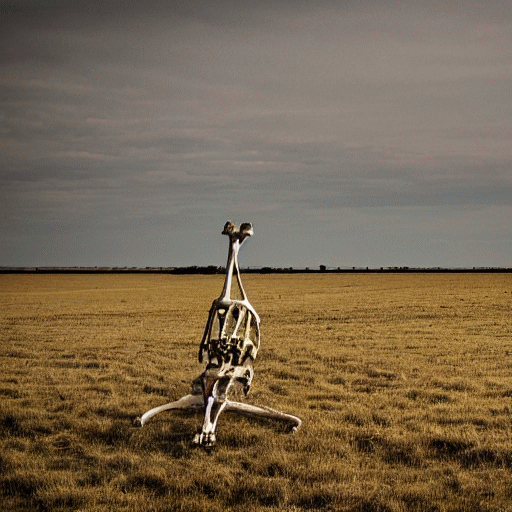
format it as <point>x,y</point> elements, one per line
<point>402,380</point>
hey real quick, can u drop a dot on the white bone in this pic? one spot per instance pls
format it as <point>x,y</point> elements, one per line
<point>186,402</point>
<point>263,412</point>
<point>229,355</point>
<point>207,435</point>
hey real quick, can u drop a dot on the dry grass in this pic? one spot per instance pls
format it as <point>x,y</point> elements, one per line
<point>403,382</point>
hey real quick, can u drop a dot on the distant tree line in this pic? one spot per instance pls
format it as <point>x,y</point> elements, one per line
<point>212,269</point>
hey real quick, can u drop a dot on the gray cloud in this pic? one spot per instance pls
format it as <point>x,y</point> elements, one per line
<point>346,133</point>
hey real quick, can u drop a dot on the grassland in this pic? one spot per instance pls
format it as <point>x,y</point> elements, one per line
<point>404,383</point>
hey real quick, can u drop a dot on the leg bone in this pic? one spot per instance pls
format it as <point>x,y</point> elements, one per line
<point>186,402</point>
<point>263,412</point>
<point>206,437</point>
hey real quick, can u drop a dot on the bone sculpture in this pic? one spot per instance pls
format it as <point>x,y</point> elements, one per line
<point>229,346</point>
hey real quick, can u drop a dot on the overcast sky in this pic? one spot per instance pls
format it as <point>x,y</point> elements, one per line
<point>349,133</point>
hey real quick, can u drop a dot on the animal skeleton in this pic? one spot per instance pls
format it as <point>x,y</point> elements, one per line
<point>229,346</point>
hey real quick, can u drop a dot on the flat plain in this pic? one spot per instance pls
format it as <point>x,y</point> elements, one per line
<point>403,382</point>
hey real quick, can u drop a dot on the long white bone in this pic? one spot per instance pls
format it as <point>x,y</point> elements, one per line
<point>263,412</point>
<point>229,345</point>
<point>186,402</point>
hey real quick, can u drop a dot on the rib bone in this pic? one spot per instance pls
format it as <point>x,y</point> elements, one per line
<point>229,346</point>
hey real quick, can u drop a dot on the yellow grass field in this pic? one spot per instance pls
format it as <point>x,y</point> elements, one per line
<point>403,382</point>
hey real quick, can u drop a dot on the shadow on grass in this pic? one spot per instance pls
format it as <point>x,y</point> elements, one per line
<point>390,451</point>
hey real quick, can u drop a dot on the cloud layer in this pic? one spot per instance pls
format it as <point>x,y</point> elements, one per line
<point>350,135</point>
